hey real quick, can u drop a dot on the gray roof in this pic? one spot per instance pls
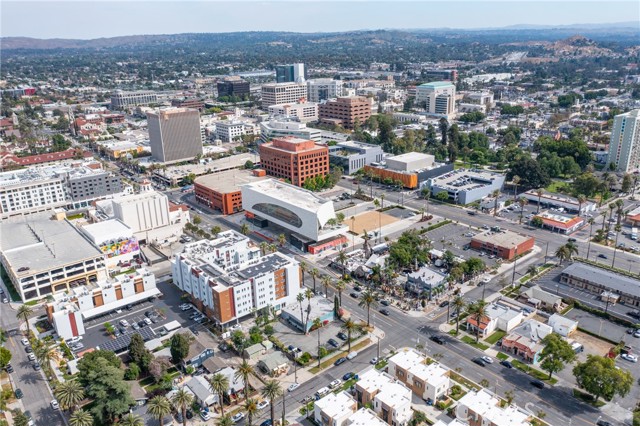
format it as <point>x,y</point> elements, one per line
<point>200,387</point>
<point>607,279</point>
<point>42,244</point>
<point>273,361</point>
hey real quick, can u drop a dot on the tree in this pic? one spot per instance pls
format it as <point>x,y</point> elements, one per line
<point>182,400</point>
<point>158,407</point>
<point>340,287</point>
<point>516,180</point>
<point>23,313</point>
<point>282,240</point>
<point>5,357</point>
<point>443,125</point>
<point>271,391</point>
<point>69,394</point>
<point>158,368</point>
<point>530,172</point>
<point>197,220</point>
<point>179,348</point>
<point>532,271</point>
<point>90,362</point>
<point>244,229</point>
<point>442,196</point>
<point>599,376</point>
<point>243,372</point>
<point>318,325</point>
<point>459,304</point>
<point>81,418</point>
<point>219,385</point>
<point>131,420</point>
<point>627,183</point>
<point>496,195</point>
<point>314,274</point>
<point>556,353</point>
<point>251,408</point>
<point>478,310</point>
<point>522,202</point>
<point>326,282</point>
<point>342,259</point>
<point>111,394</point>
<point>215,230</point>
<point>349,327</point>
<point>308,294</point>
<point>138,353</point>
<point>368,300</point>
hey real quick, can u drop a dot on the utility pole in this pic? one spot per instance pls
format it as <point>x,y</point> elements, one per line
<point>513,276</point>
<point>546,253</point>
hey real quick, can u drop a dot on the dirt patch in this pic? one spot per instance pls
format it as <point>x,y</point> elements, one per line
<point>592,345</point>
<point>369,221</point>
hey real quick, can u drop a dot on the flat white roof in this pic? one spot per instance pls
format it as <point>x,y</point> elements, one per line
<point>486,405</point>
<point>414,362</point>
<point>229,180</point>
<point>373,379</point>
<point>365,417</point>
<point>336,404</point>
<point>290,194</point>
<point>395,395</point>
<point>112,229</point>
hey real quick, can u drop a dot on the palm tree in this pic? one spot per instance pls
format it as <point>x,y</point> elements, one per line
<point>562,254</point>
<point>251,407</point>
<point>618,228</point>
<point>309,295</point>
<point>515,180</point>
<point>495,194</point>
<point>303,269</point>
<point>264,246</point>
<point>300,299</point>
<point>581,201</point>
<point>219,385</point>
<point>459,304</point>
<point>382,201</point>
<point>539,193</point>
<point>182,400</point>
<point>317,324</point>
<point>244,229</point>
<point>271,391</point>
<point>69,394</point>
<point>158,407</point>
<point>45,353</point>
<point>314,274</point>
<point>368,300</point>
<point>23,314</point>
<point>225,421</point>
<point>342,258</point>
<point>478,310</point>
<point>571,249</point>
<point>532,271</point>
<point>523,202</point>
<point>244,371</point>
<point>340,287</point>
<point>132,420</point>
<point>619,210</point>
<point>349,327</point>
<point>282,240</point>
<point>81,418</point>
<point>591,221</point>
<point>326,282</point>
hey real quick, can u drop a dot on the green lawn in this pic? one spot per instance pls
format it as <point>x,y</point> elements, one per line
<point>471,341</point>
<point>585,397</point>
<point>382,364</point>
<point>339,354</point>
<point>555,186</point>
<point>502,357</point>
<point>463,381</point>
<point>495,337</point>
<point>540,375</point>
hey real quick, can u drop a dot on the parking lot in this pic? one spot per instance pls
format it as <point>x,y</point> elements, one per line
<point>455,237</point>
<point>308,343</point>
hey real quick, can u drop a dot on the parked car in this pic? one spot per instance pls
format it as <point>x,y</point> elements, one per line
<point>342,336</point>
<point>506,363</point>
<point>293,386</point>
<point>335,383</point>
<point>340,360</point>
<point>267,422</point>
<point>603,423</point>
<point>479,361</point>
<point>439,339</point>
<point>237,417</point>
<point>385,302</point>
<point>55,405</point>
<point>263,404</point>
<point>629,357</point>
<point>18,393</point>
<point>445,303</point>
<point>352,355</point>
<point>374,360</point>
<point>487,359</point>
<point>36,366</point>
<point>24,341</point>
<point>347,376</point>
<point>538,384</point>
<point>357,288</point>
<point>9,368</point>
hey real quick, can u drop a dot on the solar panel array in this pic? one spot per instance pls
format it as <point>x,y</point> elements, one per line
<point>121,343</point>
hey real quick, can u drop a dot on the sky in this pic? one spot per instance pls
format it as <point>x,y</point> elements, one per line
<point>88,19</point>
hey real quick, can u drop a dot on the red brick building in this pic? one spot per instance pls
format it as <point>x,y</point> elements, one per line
<point>345,111</point>
<point>504,244</point>
<point>294,159</point>
<point>221,191</point>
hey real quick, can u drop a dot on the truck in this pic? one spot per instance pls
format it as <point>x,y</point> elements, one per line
<point>634,233</point>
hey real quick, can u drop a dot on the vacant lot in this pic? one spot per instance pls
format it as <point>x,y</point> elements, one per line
<point>369,221</point>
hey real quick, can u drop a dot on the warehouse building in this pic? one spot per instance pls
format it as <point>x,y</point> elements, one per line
<point>411,169</point>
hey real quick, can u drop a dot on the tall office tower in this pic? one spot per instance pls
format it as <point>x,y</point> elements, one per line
<point>294,159</point>
<point>624,148</point>
<point>174,134</point>
<point>439,96</point>
<point>345,111</point>
<point>283,93</point>
<point>233,86</point>
<point>321,89</point>
<point>293,73</point>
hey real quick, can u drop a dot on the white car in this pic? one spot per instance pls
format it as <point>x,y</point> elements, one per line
<point>55,405</point>
<point>374,360</point>
<point>293,386</point>
<point>237,417</point>
<point>24,341</point>
<point>334,384</point>
<point>487,359</point>
<point>75,339</point>
<point>124,323</point>
<point>31,357</point>
<point>629,357</point>
<point>263,404</point>
<point>205,415</point>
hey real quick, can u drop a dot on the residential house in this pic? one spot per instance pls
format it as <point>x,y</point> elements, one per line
<point>540,299</point>
<point>501,315</point>
<point>562,325</point>
<point>524,341</point>
<point>391,399</point>
<point>427,381</point>
<point>334,409</point>
<point>274,364</point>
<point>138,393</point>
<point>426,280</point>
<point>365,417</point>
<point>484,408</point>
<point>257,350</point>
<point>197,355</point>
<point>201,390</point>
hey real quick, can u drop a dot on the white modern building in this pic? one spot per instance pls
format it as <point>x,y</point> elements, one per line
<point>391,399</point>
<point>228,131</point>
<point>229,279</point>
<point>465,186</point>
<point>334,409</point>
<point>439,98</point>
<point>624,147</point>
<point>304,112</point>
<point>71,309</point>
<point>483,407</point>
<point>283,93</point>
<point>115,240</point>
<point>277,128</point>
<point>321,89</point>
<point>301,212</point>
<point>122,100</point>
<point>352,155</point>
<point>428,381</point>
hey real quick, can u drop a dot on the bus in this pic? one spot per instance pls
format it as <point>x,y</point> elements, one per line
<point>634,233</point>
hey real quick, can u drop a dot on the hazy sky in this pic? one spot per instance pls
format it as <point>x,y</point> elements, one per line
<point>93,19</point>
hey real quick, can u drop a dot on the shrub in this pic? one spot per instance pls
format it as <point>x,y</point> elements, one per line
<point>322,352</point>
<point>132,372</point>
<point>268,329</point>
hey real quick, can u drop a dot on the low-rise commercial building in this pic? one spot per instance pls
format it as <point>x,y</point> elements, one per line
<point>483,407</point>
<point>425,280</point>
<point>500,315</point>
<point>633,217</point>
<point>410,169</point>
<point>71,309</point>
<point>352,155</point>
<point>428,381</point>
<point>175,175</point>
<point>115,240</point>
<point>304,112</point>
<point>525,341</point>
<point>122,100</point>
<point>601,281</point>
<point>230,131</point>
<point>562,325</point>
<point>278,128</point>
<point>309,217</point>
<point>465,186</point>
<point>221,191</point>
<point>345,111</point>
<point>503,243</point>
<point>559,223</point>
<point>43,257</point>
<point>228,280</point>
<point>319,308</point>
<point>558,201</point>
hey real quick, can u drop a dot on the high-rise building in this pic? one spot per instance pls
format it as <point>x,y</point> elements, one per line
<point>294,159</point>
<point>122,100</point>
<point>439,97</point>
<point>303,112</point>
<point>624,148</point>
<point>321,89</point>
<point>295,73</point>
<point>283,93</point>
<point>345,111</point>
<point>174,134</point>
<point>233,86</point>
